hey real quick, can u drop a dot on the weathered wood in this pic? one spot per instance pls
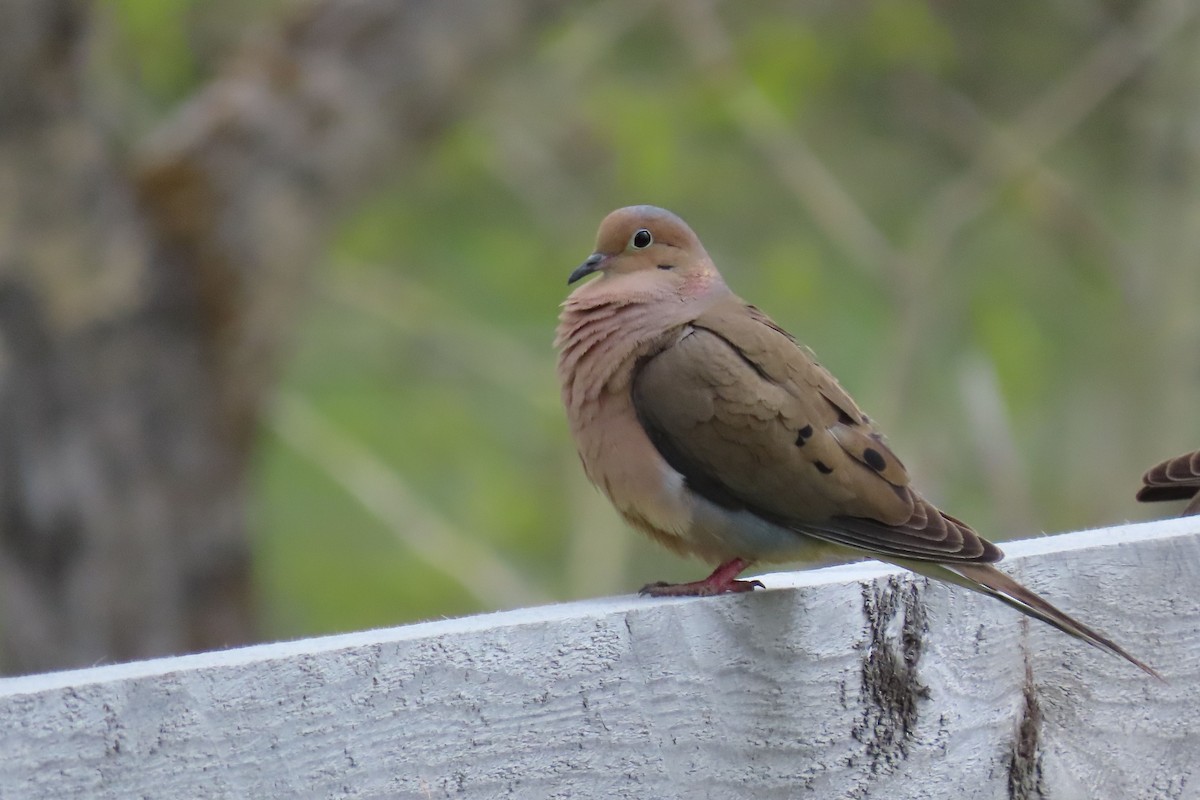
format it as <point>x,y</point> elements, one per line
<point>854,681</point>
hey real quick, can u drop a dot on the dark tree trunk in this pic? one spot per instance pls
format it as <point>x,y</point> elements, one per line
<point>121,471</point>
<point>143,306</point>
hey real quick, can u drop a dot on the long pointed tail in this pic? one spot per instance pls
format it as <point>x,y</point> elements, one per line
<point>991,581</point>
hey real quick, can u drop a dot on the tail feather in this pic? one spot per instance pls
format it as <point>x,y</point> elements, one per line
<point>986,579</point>
<point>1004,588</point>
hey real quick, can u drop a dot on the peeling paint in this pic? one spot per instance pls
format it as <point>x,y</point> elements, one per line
<point>1025,764</point>
<point>890,691</point>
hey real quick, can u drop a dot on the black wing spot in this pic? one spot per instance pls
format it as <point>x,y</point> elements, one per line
<point>822,467</point>
<point>803,435</point>
<point>666,266</point>
<point>874,459</point>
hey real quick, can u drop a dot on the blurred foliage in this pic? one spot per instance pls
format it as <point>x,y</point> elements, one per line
<point>1011,293</point>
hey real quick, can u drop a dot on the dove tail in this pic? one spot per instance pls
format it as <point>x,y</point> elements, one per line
<point>991,581</point>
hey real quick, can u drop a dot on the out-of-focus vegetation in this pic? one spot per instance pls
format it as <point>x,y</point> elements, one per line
<point>985,218</point>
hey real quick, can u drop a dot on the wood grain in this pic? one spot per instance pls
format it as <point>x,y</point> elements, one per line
<point>850,682</point>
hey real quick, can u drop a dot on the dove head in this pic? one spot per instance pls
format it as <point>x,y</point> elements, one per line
<point>649,250</point>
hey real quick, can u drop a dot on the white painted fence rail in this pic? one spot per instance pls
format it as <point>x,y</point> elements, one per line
<point>849,682</point>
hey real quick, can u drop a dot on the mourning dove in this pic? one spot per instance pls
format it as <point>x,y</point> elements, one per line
<point>1174,479</point>
<point>712,430</point>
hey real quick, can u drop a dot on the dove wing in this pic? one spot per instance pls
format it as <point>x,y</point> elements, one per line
<point>752,421</point>
<point>1174,479</point>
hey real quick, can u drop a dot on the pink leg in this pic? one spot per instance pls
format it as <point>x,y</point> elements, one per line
<point>720,582</point>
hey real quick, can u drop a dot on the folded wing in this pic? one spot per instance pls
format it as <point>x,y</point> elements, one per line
<point>752,421</point>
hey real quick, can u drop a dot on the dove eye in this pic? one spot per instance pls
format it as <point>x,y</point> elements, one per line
<point>641,240</point>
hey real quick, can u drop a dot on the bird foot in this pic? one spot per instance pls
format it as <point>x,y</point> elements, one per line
<point>721,581</point>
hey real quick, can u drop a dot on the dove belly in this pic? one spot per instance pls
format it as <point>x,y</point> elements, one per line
<point>655,498</point>
<point>720,534</point>
<point>689,523</point>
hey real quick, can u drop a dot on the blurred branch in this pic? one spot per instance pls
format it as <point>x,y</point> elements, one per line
<point>528,158</point>
<point>408,306</point>
<point>1163,382</point>
<point>793,162</point>
<point>962,123</point>
<point>1000,155</point>
<point>996,448</point>
<point>484,573</point>
<point>596,548</point>
<point>1005,155</point>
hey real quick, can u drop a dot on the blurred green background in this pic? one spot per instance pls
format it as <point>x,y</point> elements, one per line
<point>983,217</point>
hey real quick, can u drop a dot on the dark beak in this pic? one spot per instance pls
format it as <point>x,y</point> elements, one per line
<point>587,268</point>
